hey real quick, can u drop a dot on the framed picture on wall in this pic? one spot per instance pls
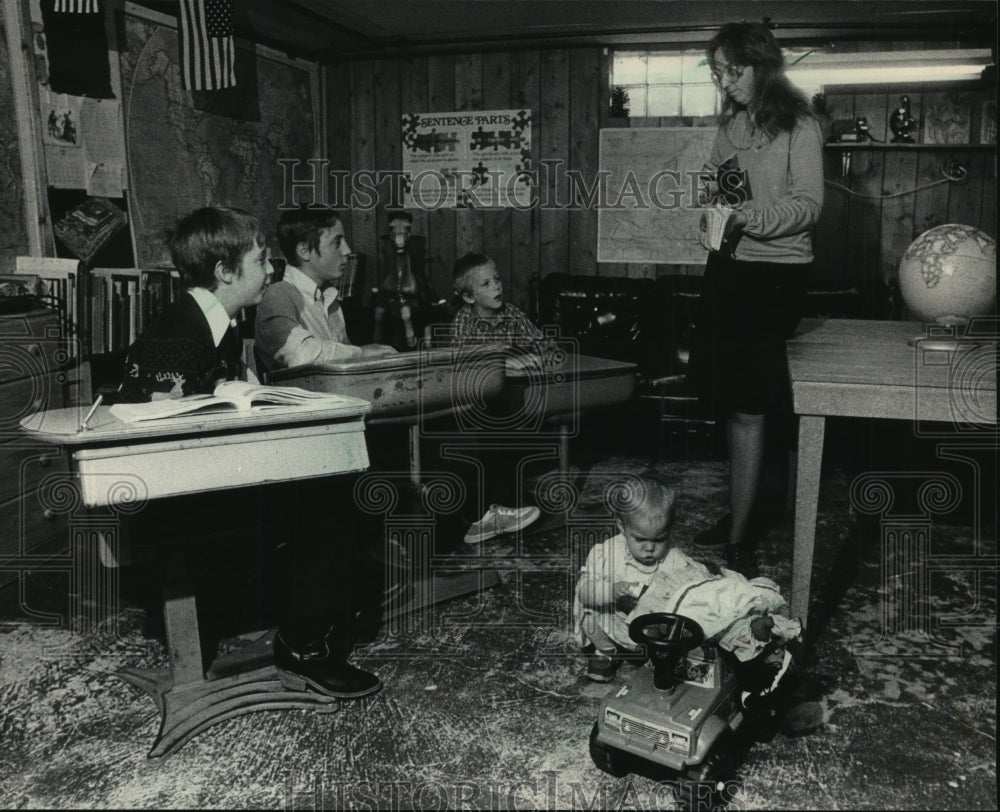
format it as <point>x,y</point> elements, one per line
<point>947,119</point>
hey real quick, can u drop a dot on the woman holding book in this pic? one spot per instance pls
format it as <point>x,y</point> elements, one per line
<point>766,165</point>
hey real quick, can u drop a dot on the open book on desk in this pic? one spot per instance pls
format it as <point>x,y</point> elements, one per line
<point>229,396</point>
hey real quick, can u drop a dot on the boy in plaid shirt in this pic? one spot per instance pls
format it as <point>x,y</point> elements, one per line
<point>484,315</point>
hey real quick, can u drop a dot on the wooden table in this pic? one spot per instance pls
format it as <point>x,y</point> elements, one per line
<point>854,368</point>
<point>118,463</point>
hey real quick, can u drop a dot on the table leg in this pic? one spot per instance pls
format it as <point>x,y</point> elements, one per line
<point>414,436</point>
<point>187,701</point>
<point>810,462</point>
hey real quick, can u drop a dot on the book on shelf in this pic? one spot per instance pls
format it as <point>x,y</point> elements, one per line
<point>229,396</point>
<point>122,302</point>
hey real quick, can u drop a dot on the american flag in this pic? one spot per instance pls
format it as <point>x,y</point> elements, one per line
<point>207,48</point>
<point>77,6</point>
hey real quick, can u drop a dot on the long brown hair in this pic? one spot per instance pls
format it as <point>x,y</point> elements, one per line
<point>779,104</point>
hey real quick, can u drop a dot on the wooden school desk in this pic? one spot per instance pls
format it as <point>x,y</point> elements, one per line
<point>561,393</point>
<point>856,368</point>
<point>115,462</point>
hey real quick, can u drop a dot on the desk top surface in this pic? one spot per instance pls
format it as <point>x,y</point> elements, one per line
<point>855,351</point>
<point>841,359</point>
<point>62,426</point>
<point>388,365</point>
<point>571,367</point>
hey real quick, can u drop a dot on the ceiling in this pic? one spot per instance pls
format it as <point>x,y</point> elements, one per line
<point>330,30</point>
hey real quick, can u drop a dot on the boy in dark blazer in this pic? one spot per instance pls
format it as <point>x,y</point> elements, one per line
<point>221,255</point>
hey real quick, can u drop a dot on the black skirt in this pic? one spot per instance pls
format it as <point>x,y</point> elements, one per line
<point>748,309</point>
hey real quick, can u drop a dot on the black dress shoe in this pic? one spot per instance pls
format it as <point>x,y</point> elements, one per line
<point>316,668</point>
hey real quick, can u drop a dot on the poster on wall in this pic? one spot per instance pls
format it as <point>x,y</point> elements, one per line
<point>475,158</point>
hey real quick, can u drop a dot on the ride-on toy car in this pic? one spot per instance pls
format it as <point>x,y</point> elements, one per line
<point>680,714</point>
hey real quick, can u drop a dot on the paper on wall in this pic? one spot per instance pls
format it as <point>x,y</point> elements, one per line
<point>104,180</point>
<point>66,168</point>
<point>102,125</point>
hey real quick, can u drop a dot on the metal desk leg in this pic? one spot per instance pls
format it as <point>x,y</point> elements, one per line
<point>564,450</point>
<point>188,701</point>
<point>414,435</point>
<point>810,463</point>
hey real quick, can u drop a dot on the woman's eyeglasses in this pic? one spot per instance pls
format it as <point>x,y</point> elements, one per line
<point>732,73</point>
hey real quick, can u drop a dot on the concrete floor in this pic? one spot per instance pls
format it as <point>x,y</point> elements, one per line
<point>486,704</point>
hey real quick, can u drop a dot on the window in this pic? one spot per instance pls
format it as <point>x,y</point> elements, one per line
<point>665,83</point>
<point>677,83</point>
<point>671,83</point>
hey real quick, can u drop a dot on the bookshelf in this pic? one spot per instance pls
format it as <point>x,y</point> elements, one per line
<point>101,310</point>
<point>121,302</point>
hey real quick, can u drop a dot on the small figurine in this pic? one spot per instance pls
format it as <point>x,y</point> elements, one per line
<point>404,291</point>
<point>902,123</point>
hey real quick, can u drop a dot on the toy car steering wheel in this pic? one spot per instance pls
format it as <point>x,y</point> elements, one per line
<point>668,637</point>
<point>665,631</point>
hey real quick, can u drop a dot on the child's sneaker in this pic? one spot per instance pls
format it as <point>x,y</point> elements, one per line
<point>499,520</point>
<point>602,667</point>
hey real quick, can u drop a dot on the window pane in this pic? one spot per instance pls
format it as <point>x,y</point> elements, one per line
<point>699,100</point>
<point>664,100</point>
<point>664,69</point>
<point>637,101</point>
<point>695,68</point>
<point>629,69</point>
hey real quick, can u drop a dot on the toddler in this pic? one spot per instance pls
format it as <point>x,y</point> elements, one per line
<point>618,570</point>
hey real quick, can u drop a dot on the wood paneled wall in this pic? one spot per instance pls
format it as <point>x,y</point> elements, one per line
<point>562,88</point>
<point>897,191</point>
<point>859,240</point>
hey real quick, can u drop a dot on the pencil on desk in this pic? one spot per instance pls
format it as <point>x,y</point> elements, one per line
<point>90,414</point>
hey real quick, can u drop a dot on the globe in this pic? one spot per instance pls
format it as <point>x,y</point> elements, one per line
<point>949,274</point>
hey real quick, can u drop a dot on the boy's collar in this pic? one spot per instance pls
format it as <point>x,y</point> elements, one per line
<point>215,313</point>
<point>305,283</point>
<point>493,314</point>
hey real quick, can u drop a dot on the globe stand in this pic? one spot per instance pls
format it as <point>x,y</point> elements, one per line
<point>943,338</point>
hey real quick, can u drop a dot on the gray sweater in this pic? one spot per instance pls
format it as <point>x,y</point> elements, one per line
<point>786,182</point>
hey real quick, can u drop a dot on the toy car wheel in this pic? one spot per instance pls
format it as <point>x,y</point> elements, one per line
<point>702,787</point>
<point>607,758</point>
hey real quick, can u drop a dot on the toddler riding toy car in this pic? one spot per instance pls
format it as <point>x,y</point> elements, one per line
<point>681,714</point>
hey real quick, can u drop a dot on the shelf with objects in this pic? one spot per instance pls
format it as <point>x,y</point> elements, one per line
<point>99,311</point>
<point>878,145</point>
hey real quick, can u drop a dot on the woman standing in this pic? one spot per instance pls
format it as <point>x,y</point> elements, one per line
<point>766,163</point>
